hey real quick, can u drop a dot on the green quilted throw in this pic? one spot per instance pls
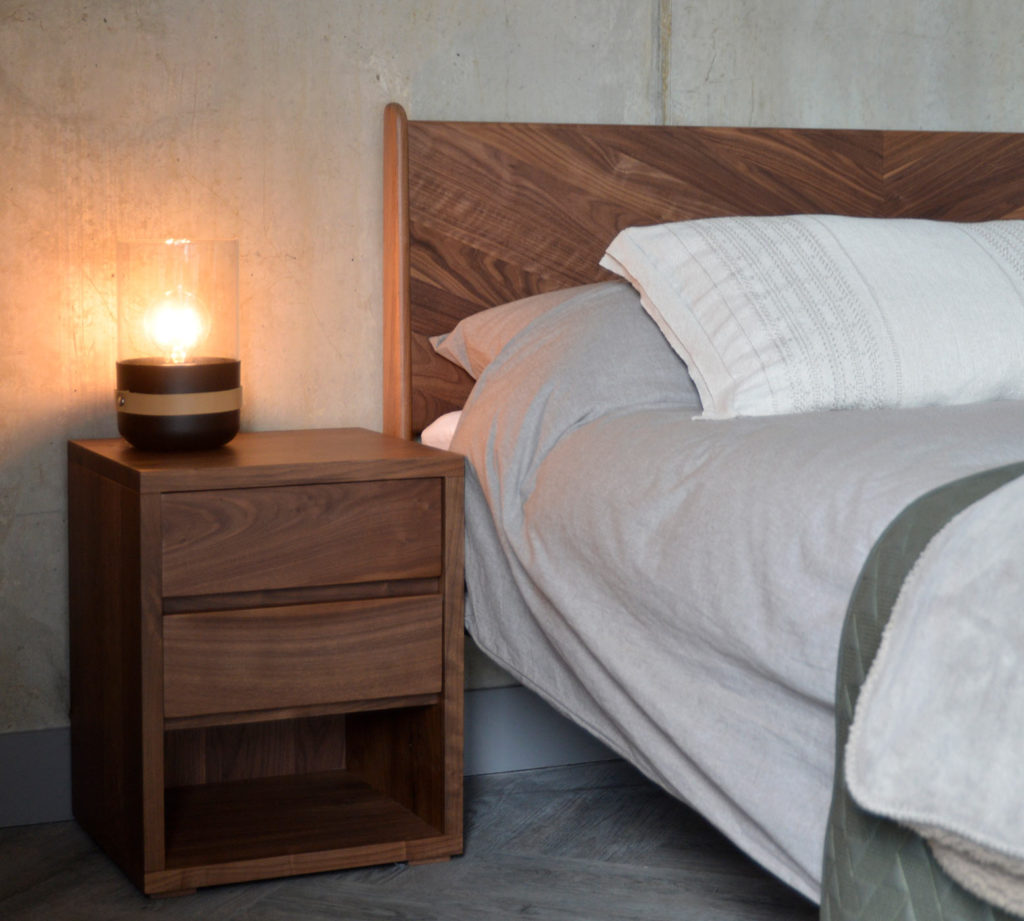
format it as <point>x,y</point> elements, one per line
<point>876,869</point>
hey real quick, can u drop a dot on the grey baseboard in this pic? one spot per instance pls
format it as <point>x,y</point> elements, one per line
<point>512,729</point>
<point>507,729</point>
<point>35,777</point>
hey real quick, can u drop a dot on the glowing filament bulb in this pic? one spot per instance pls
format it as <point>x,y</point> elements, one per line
<point>175,325</point>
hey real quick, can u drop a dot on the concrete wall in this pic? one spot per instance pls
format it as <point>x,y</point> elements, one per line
<point>260,119</point>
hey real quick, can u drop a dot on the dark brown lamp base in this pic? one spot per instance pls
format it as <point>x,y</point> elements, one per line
<point>178,407</point>
<point>178,433</point>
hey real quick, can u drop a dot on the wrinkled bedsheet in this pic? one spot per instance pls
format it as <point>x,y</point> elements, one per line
<point>678,586</point>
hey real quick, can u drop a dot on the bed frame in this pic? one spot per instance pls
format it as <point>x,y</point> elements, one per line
<point>479,214</point>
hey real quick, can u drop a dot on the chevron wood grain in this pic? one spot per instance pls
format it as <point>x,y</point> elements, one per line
<point>501,211</point>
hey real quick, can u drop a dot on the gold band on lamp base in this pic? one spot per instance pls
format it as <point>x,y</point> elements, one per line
<point>178,404</point>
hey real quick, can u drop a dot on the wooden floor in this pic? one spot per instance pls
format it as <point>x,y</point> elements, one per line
<point>583,843</point>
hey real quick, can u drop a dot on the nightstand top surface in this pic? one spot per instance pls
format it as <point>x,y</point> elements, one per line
<point>267,458</point>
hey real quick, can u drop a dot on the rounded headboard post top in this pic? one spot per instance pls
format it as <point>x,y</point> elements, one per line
<point>397,364</point>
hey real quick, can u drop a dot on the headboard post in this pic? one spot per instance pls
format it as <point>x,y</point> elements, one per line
<point>397,414</point>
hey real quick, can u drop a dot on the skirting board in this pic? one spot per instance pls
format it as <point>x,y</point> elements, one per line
<point>35,777</point>
<point>512,729</point>
<point>507,729</point>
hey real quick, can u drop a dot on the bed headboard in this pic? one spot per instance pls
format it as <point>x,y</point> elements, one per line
<point>478,214</point>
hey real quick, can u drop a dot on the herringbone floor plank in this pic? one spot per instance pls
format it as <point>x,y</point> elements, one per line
<point>582,843</point>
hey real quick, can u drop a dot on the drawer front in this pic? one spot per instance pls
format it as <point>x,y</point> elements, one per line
<point>237,661</point>
<point>238,540</point>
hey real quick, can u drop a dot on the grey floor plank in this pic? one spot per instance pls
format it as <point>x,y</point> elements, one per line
<point>514,887</point>
<point>592,842</point>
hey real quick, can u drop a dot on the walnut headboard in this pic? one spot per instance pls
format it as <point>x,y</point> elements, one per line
<point>478,214</point>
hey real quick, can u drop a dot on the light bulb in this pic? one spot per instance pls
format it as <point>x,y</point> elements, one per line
<point>176,324</point>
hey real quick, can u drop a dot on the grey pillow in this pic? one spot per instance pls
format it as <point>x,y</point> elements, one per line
<point>476,341</point>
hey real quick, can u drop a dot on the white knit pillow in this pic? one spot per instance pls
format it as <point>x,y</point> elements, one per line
<point>809,312</point>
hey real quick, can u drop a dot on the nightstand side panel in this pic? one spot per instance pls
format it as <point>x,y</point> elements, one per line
<point>106,664</point>
<point>151,679</point>
<point>454,638</point>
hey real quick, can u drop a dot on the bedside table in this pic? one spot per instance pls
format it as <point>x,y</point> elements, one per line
<point>266,655</point>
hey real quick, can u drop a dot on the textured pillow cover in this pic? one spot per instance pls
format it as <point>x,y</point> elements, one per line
<point>476,341</point>
<point>811,312</point>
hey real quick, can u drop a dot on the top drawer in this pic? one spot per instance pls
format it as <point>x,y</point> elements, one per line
<point>237,540</point>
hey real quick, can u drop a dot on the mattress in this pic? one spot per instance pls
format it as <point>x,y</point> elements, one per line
<point>678,586</point>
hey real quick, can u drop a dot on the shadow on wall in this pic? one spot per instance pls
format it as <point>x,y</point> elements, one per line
<point>33,560</point>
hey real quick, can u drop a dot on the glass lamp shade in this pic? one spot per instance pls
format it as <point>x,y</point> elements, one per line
<point>178,372</point>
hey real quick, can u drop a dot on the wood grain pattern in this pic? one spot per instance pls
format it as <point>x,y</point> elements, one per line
<point>255,459</point>
<point>273,748</point>
<point>414,756</point>
<point>954,176</point>
<point>452,736</point>
<point>307,594</point>
<point>593,842</point>
<point>396,393</point>
<point>398,754</point>
<point>151,678</point>
<point>313,568</point>
<point>501,211</point>
<point>238,540</point>
<point>105,660</point>
<point>231,661</point>
<point>300,712</point>
<point>215,823</point>
<point>185,879</point>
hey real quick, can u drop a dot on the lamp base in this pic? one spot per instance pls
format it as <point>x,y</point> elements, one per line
<point>178,407</point>
<point>178,433</point>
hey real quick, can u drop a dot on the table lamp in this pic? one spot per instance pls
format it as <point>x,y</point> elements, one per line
<point>178,372</point>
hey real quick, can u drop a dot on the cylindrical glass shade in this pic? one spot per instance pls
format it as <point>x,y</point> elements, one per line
<point>178,373</point>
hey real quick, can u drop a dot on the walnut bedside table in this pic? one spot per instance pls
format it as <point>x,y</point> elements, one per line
<point>266,655</point>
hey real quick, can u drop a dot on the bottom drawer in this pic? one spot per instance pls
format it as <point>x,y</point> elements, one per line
<point>302,655</point>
